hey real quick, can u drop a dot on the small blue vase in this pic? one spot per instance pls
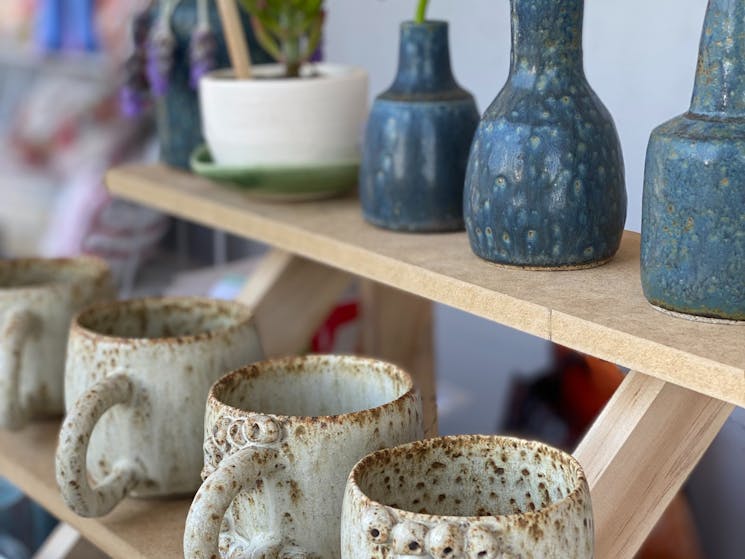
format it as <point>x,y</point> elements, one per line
<point>693,215</point>
<point>417,139</point>
<point>545,184</point>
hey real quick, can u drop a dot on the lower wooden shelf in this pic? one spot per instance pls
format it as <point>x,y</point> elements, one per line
<point>137,529</point>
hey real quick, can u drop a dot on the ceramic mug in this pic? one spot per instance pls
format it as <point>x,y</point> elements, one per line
<point>280,439</point>
<point>468,497</point>
<point>38,298</point>
<point>139,372</point>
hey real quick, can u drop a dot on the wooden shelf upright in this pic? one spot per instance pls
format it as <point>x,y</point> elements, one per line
<point>686,376</point>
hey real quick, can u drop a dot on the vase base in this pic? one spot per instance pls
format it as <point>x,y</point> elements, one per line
<point>414,228</point>
<point>566,268</point>
<point>696,318</point>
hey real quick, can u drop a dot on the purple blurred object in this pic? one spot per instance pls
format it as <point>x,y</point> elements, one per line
<point>135,92</point>
<point>160,59</point>
<point>132,101</point>
<point>318,54</point>
<point>202,54</point>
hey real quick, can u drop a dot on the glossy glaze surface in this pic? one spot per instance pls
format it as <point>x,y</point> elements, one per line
<point>693,220</point>
<point>417,139</point>
<point>545,184</point>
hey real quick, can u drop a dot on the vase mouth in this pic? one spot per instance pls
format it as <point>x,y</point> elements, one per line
<point>429,23</point>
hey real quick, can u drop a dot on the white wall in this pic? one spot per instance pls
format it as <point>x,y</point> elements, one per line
<point>640,56</point>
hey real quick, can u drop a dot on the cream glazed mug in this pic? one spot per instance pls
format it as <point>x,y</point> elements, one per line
<point>468,497</point>
<point>280,439</point>
<point>139,372</point>
<point>38,298</point>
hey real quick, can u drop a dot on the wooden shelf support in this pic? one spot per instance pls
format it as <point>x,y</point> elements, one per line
<point>291,297</point>
<point>639,453</point>
<point>397,327</point>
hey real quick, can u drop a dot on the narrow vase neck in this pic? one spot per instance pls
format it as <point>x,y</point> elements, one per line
<point>546,34</point>
<point>424,59</point>
<point>720,78</point>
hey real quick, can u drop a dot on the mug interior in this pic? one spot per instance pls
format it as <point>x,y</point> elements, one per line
<point>40,272</point>
<point>313,386</point>
<point>468,476</point>
<point>162,318</point>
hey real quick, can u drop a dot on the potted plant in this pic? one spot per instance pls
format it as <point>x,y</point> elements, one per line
<point>418,137</point>
<point>175,43</point>
<point>294,114</point>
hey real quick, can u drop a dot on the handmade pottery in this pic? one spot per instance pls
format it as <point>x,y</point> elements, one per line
<point>276,121</point>
<point>280,439</point>
<point>417,139</point>
<point>179,125</point>
<point>38,299</point>
<point>469,496</point>
<point>693,217</point>
<point>545,185</point>
<point>139,372</point>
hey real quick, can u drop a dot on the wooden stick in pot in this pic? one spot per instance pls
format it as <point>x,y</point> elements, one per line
<point>240,57</point>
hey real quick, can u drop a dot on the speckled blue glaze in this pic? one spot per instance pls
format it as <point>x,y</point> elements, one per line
<point>693,220</point>
<point>417,139</point>
<point>545,184</point>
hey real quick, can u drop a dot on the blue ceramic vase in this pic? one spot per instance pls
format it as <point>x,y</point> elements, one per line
<point>545,184</point>
<point>178,115</point>
<point>417,139</point>
<point>693,220</point>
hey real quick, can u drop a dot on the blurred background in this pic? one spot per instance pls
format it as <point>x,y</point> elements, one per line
<point>61,127</point>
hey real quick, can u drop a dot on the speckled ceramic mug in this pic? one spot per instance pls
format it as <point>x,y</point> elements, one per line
<point>139,372</point>
<point>280,439</point>
<point>468,497</point>
<point>38,298</point>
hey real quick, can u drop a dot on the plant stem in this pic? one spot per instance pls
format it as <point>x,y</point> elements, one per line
<point>421,12</point>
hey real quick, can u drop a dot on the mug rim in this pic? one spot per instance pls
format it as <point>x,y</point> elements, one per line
<point>498,441</point>
<point>254,369</point>
<point>92,268</point>
<point>244,316</point>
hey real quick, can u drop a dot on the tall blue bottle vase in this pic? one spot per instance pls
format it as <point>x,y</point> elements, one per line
<point>417,139</point>
<point>693,216</point>
<point>545,185</point>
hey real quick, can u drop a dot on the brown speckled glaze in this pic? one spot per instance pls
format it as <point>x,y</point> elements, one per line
<point>139,372</point>
<point>468,497</point>
<point>280,439</point>
<point>38,298</point>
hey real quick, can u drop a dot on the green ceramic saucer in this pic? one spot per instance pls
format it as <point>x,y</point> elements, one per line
<point>280,183</point>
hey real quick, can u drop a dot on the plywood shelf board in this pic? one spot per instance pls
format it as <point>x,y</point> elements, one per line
<point>601,311</point>
<point>137,529</point>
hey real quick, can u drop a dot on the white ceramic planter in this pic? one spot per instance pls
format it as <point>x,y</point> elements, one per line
<point>273,121</point>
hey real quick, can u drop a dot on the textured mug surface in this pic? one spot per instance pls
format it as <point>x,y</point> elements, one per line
<point>468,497</point>
<point>693,214</point>
<point>38,299</point>
<point>545,184</point>
<point>417,139</point>
<point>139,371</point>
<point>281,437</point>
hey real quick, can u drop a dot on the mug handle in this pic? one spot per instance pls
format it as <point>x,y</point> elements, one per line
<point>17,325</point>
<point>74,437</point>
<point>243,470</point>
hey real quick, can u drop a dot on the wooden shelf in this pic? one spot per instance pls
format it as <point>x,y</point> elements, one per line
<point>686,375</point>
<point>137,529</point>
<point>600,311</point>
